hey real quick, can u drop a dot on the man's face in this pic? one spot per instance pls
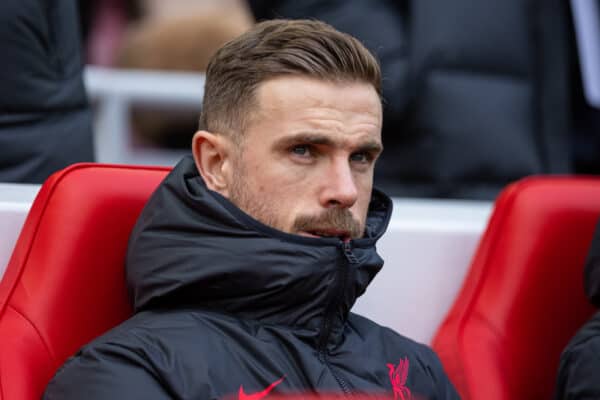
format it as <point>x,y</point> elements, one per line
<point>305,164</point>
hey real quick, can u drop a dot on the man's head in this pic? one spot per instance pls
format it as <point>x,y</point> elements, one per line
<point>292,127</point>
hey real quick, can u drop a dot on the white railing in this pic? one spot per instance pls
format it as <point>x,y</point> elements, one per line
<point>586,20</point>
<point>113,91</point>
<point>15,201</point>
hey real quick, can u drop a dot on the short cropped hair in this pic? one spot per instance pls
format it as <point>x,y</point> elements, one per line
<point>273,49</point>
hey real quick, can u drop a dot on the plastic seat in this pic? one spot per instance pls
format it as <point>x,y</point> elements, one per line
<point>523,297</point>
<point>65,282</point>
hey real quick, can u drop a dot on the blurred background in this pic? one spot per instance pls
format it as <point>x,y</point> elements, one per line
<point>477,93</point>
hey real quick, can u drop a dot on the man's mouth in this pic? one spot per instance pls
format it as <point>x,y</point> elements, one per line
<point>327,233</point>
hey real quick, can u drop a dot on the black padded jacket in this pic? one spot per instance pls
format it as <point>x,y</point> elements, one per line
<point>579,371</point>
<point>226,307</point>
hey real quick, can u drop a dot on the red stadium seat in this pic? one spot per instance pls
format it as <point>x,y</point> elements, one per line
<point>523,298</point>
<point>64,283</point>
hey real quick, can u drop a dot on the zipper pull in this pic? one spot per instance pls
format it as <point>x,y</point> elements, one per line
<point>347,249</point>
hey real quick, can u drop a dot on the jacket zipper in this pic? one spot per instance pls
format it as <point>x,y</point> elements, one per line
<point>341,287</point>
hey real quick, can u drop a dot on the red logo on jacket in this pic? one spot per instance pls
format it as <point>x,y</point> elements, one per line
<point>259,395</point>
<point>398,374</point>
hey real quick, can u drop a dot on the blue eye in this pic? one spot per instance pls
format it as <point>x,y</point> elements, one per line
<point>300,150</point>
<point>360,157</point>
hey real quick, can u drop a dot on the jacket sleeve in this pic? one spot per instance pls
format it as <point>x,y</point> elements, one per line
<point>112,372</point>
<point>578,372</point>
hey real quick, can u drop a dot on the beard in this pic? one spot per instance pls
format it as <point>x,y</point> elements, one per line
<point>335,218</point>
<point>257,206</point>
<point>253,203</point>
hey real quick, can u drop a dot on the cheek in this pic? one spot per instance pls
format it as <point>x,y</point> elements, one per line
<point>365,187</point>
<point>285,188</point>
<point>286,200</point>
<point>283,177</point>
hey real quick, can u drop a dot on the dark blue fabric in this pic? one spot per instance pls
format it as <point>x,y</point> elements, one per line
<point>578,374</point>
<point>579,370</point>
<point>45,120</point>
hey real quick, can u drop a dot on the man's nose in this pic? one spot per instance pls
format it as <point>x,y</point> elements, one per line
<point>338,187</point>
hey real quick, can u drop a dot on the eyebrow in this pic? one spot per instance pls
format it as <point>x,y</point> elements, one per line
<point>372,146</point>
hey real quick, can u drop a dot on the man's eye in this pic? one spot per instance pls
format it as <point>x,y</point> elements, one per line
<point>360,157</point>
<point>301,150</point>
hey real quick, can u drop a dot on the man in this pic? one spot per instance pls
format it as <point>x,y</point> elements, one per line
<point>246,261</point>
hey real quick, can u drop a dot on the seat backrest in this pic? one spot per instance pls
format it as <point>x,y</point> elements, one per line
<point>523,297</point>
<point>65,282</point>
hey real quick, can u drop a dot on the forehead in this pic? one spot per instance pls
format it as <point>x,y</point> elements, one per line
<point>296,102</point>
<point>297,92</point>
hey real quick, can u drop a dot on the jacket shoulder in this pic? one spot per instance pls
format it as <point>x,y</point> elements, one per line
<point>580,363</point>
<point>130,361</point>
<point>113,366</point>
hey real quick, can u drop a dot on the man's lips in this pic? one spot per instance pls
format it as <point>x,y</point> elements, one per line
<point>326,232</point>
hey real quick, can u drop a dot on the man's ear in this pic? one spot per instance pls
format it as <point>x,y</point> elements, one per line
<point>212,154</point>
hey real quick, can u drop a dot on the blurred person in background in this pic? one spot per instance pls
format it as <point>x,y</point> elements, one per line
<point>176,36</point>
<point>45,119</point>
<point>245,262</point>
<point>579,370</point>
<point>476,93</point>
